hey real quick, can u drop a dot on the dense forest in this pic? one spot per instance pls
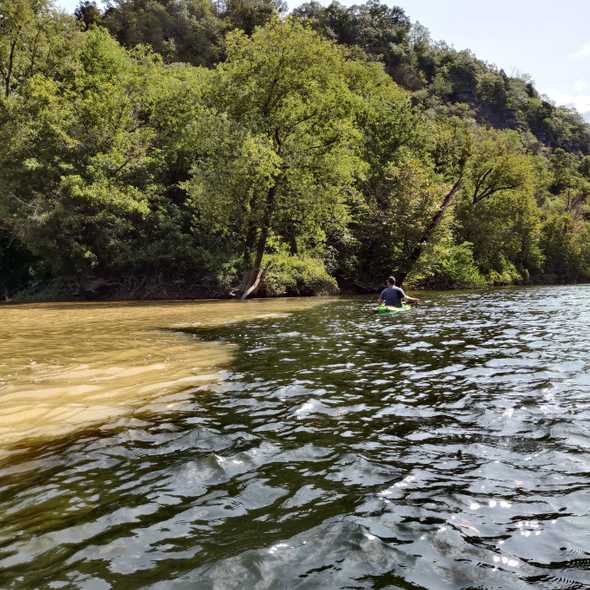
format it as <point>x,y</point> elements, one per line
<point>167,148</point>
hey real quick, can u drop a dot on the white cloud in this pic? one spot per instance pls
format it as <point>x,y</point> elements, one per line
<point>581,102</point>
<point>584,51</point>
<point>581,86</point>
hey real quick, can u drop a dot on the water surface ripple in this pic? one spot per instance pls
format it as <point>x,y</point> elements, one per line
<point>442,448</point>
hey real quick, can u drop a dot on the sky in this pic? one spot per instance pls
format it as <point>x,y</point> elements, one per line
<point>546,39</point>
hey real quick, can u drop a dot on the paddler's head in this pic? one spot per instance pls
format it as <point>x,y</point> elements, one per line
<point>390,281</point>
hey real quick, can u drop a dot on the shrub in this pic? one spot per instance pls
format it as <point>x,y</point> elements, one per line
<point>451,266</point>
<point>295,275</point>
<point>507,274</point>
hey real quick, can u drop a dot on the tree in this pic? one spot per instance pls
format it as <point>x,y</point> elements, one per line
<point>498,164</point>
<point>397,230</point>
<point>87,162</point>
<point>469,162</point>
<point>566,228</point>
<point>133,167</point>
<point>246,15</point>
<point>396,187</point>
<point>16,262</point>
<point>451,150</point>
<point>33,38</point>
<point>88,13</point>
<point>189,31</point>
<point>497,212</point>
<point>289,150</point>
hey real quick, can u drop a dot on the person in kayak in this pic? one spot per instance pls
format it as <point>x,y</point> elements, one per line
<point>393,296</point>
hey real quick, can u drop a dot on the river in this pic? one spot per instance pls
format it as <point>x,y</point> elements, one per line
<point>297,444</point>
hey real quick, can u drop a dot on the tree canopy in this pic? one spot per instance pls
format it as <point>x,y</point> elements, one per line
<point>184,147</point>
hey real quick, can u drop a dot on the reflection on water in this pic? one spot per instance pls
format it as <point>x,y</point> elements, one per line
<point>65,367</point>
<point>443,448</point>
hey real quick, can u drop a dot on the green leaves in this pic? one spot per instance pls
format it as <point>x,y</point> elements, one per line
<point>80,170</point>
<point>33,39</point>
<point>287,149</point>
<point>498,164</point>
<point>294,150</point>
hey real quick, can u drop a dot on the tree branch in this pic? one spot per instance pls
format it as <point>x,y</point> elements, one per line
<point>10,68</point>
<point>479,183</point>
<point>492,190</point>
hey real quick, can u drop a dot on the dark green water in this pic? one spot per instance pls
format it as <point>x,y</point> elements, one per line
<point>443,448</point>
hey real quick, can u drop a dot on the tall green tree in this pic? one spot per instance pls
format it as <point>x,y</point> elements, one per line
<point>294,155</point>
<point>189,31</point>
<point>246,15</point>
<point>33,38</point>
<point>566,225</point>
<point>497,212</point>
<point>88,13</point>
<point>89,163</point>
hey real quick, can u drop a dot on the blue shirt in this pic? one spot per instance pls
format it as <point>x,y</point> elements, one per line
<point>392,296</point>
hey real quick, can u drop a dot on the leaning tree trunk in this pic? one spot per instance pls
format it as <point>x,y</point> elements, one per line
<point>9,68</point>
<point>254,275</point>
<point>429,230</point>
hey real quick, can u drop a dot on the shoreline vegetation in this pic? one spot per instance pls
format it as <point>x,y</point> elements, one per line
<point>183,149</point>
<point>48,297</point>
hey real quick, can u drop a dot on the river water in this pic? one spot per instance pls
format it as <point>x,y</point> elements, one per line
<point>298,444</point>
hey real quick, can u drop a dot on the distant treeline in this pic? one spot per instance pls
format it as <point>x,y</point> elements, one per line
<point>194,148</point>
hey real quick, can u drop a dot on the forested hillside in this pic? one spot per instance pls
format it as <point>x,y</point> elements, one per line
<point>165,148</point>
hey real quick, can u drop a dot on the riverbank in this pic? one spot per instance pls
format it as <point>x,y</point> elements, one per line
<point>103,292</point>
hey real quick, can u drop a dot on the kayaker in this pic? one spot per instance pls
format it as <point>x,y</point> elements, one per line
<point>393,296</point>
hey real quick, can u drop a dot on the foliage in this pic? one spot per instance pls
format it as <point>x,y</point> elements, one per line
<point>294,275</point>
<point>449,266</point>
<point>88,14</point>
<point>190,31</point>
<point>497,213</point>
<point>391,226</point>
<point>16,264</point>
<point>443,78</point>
<point>567,250</point>
<point>340,144</point>
<point>285,152</point>
<point>33,39</point>
<point>86,184</point>
<point>180,30</point>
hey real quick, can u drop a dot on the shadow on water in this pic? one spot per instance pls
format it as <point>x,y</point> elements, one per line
<point>442,448</point>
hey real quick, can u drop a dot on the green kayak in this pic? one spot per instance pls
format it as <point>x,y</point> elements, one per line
<point>384,309</point>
